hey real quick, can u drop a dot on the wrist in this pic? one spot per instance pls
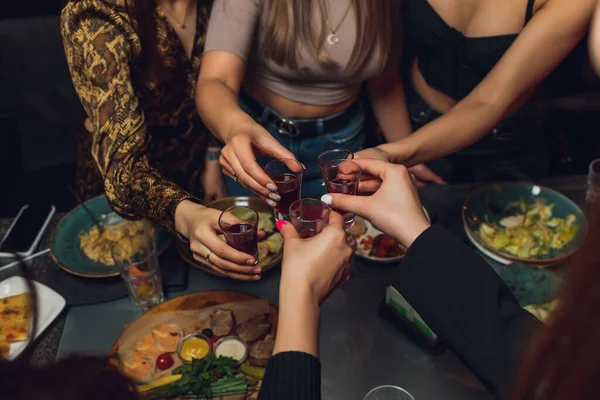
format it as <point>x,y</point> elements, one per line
<point>183,213</point>
<point>410,234</point>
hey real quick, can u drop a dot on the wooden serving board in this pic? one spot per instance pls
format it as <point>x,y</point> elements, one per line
<point>198,301</point>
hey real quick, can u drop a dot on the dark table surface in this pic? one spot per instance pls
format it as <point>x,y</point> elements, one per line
<point>358,349</point>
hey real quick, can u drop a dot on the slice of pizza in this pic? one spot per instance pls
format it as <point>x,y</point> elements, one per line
<point>4,348</point>
<point>15,317</point>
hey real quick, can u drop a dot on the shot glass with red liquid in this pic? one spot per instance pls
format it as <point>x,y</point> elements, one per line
<point>333,155</point>
<point>287,175</point>
<point>342,176</point>
<point>239,225</point>
<point>309,217</point>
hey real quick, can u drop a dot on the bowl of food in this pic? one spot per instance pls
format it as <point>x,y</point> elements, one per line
<point>194,346</point>
<point>524,222</point>
<point>270,248</point>
<point>374,245</point>
<point>82,248</point>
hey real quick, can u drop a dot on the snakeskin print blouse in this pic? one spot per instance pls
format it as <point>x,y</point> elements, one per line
<point>124,104</point>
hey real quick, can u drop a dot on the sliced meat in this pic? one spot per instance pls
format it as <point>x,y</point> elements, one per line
<point>264,349</point>
<point>254,329</point>
<point>221,322</point>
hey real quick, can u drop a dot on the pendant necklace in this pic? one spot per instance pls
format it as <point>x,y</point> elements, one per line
<point>181,24</point>
<point>333,38</point>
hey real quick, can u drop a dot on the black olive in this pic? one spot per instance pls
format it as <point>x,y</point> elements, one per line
<point>208,333</point>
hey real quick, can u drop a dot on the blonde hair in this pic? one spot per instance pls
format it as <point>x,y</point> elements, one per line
<point>287,26</point>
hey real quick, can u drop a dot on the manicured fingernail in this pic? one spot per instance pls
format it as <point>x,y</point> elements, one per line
<point>327,199</point>
<point>257,270</point>
<point>303,166</point>
<point>274,196</point>
<point>256,277</point>
<point>251,261</point>
<point>272,187</point>
<point>271,203</point>
<point>280,224</point>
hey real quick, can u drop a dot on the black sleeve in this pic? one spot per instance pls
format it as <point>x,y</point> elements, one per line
<point>292,376</point>
<point>468,305</point>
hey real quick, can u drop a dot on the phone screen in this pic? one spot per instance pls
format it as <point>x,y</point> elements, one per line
<point>26,228</point>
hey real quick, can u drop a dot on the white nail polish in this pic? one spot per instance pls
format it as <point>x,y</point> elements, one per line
<point>271,203</point>
<point>327,199</point>
<point>274,196</point>
<point>272,187</point>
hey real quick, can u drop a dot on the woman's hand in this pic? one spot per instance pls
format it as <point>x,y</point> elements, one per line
<point>424,175</point>
<point>394,208</point>
<point>319,263</point>
<point>374,153</point>
<point>200,225</point>
<point>212,180</point>
<point>238,158</point>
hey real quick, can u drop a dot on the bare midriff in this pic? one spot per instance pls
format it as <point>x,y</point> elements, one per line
<point>441,101</point>
<point>292,109</point>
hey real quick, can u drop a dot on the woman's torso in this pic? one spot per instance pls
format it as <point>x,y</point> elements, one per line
<point>456,43</point>
<point>315,91</point>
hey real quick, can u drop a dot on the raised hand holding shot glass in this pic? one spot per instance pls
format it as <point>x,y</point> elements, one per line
<point>239,225</point>
<point>287,174</point>
<point>333,155</point>
<point>342,176</point>
<point>138,264</point>
<point>309,217</point>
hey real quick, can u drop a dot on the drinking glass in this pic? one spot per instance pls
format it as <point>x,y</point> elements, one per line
<point>287,175</point>
<point>342,176</point>
<point>332,155</point>
<point>240,226</point>
<point>388,392</point>
<point>137,260</point>
<point>593,182</point>
<point>309,217</point>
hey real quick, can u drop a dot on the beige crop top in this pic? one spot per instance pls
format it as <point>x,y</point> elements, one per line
<point>234,27</point>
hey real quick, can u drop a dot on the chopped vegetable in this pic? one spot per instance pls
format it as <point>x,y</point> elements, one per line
<point>256,372</point>
<point>542,311</point>
<point>533,232</point>
<point>164,361</point>
<point>208,377</point>
<point>165,380</point>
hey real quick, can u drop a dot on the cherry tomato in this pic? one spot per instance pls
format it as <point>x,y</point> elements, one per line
<point>164,361</point>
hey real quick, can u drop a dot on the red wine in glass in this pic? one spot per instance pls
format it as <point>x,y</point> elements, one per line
<point>308,233</point>
<point>289,189</point>
<point>242,237</point>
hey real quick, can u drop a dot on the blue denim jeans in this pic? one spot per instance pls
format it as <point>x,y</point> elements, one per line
<point>307,149</point>
<point>515,149</point>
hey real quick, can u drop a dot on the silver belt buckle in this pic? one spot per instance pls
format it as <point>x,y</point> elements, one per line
<point>288,128</point>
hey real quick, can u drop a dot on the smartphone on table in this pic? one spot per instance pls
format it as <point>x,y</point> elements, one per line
<point>26,230</point>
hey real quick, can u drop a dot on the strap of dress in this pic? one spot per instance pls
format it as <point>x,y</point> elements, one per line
<point>529,12</point>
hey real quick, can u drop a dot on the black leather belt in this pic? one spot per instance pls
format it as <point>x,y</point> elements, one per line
<point>293,128</point>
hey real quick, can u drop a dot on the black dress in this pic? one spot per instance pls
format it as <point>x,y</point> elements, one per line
<point>462,299</point>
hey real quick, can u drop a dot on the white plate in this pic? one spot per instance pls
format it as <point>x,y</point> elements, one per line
<point>374,232</point>
<point>485,251</point>
<point>49,306</point>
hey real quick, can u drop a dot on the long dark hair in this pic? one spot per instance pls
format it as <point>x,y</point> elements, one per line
<point>144,11</point>
<point>563,362</point>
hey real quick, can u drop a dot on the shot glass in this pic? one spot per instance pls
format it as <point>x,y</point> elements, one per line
<point>309,217</point>
<point>333,155</point>
<point>388,392</point>
<point>239,225</point>
<point>287,175</point>
<point>342,176</point>
<point>593,182</point>
<point>137,260</point>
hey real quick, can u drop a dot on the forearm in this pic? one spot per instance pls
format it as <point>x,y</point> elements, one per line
<point>298,326</point>
<point>389,107</point>
<point>465,124</point>
<point>219,108</point>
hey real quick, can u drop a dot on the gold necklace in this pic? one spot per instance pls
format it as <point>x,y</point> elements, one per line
<point>332,38</point>
<point>181,24</point>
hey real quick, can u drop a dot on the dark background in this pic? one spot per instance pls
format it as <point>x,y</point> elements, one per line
<point>40,112</point>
